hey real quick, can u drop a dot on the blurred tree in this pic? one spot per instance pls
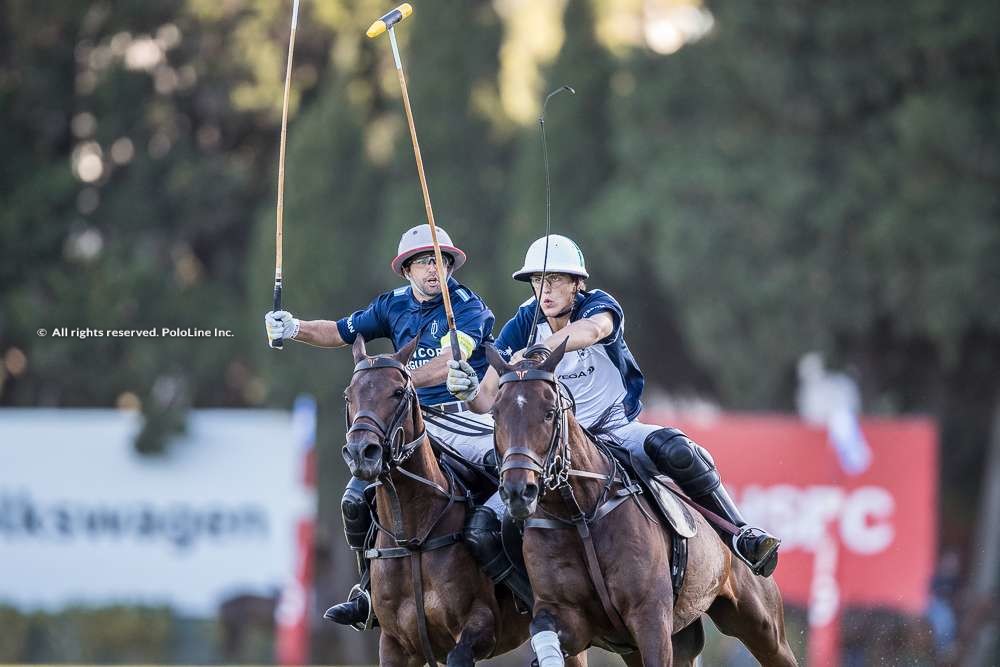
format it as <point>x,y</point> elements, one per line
<point>812,177</point>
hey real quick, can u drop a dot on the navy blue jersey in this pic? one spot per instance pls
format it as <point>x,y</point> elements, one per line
<point>398,316</point>
<point>599,376</point>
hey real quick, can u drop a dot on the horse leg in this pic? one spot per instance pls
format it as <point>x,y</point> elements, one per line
<point>688,644</point>
<point>755,615</point>
<point>478,638</point>
<point>653,636</point>
<point>391,654</point>
<point>557,630</point>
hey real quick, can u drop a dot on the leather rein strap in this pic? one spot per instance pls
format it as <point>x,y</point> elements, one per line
<point>557,465</point>
<point>390,437</point>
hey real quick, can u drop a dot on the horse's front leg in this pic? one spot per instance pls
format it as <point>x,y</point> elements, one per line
<point>478,638</point>
<point>391,653</point>
<point>557,630</point>
<point>652,628</point>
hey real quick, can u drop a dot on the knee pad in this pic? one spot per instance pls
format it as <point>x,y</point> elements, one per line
<point>688,463</point>
<point>357,513</point>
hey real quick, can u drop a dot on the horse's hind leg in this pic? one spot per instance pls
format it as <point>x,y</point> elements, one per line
<point>477,640</point>
<point>688,644</point>
<point>755,616</point>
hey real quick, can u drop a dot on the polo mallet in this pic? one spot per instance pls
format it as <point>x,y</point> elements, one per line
<point>387,24</point>
<point>548,210</point>
<point>278,344</point>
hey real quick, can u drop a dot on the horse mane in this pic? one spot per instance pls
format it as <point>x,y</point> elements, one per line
<point>602,430</point>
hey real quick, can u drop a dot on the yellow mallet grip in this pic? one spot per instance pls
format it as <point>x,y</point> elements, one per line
<point>389,20</point>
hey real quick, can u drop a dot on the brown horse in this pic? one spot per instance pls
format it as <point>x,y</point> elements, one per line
<point>600,536</point>
<point>430,597</point>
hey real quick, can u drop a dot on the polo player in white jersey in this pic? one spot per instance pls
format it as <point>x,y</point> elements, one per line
<point>600,372</point>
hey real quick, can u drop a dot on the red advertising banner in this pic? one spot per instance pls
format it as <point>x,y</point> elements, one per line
<point>786,478</point>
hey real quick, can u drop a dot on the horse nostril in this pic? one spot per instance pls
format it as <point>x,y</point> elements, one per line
<point>372,451</point>
<point>530,492</point>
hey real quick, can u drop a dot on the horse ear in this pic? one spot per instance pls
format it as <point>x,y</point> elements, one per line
<point>359,349</point>
<point>405,352</point>
<point>496,361</point>
<point>554,358</point>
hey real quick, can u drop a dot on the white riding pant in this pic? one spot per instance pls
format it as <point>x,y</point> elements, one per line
<point>633,435</point>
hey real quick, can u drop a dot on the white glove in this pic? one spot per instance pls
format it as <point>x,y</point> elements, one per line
<point>463,382</point>
<point>280,324</point>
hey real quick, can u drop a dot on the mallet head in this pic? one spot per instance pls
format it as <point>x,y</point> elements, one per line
<point>389,20</point>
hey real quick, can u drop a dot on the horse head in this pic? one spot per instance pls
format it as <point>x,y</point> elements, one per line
<point>529,428</point>
<point>383,415</point>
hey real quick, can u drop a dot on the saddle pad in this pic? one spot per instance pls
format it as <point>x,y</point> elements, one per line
<point>671,508</point>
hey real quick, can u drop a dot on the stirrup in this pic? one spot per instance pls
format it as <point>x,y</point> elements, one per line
<point>358,592</point>
<point>768,561</point>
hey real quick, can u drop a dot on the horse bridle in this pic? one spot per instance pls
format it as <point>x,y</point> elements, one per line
<point>554,470</point>
<point>390,436</point>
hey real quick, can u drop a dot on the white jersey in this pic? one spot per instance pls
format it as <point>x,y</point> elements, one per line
<point>593,380</point>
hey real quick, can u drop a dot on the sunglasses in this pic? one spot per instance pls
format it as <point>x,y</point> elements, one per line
<point>552,280</point>
<point>427,260</point>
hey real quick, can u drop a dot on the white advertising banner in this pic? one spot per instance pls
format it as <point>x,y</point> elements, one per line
<point>86,519</point>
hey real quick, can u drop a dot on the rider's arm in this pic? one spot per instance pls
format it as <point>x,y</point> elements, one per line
<point>582,333</point>
<point>432,373</point>
<point>321,333</point>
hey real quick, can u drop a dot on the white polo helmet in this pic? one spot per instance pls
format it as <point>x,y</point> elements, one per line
<point>564,257</point>
<point>418,239</point>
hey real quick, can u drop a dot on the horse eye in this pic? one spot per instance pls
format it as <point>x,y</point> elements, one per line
<point>399,393</point>
<point>550,414</point>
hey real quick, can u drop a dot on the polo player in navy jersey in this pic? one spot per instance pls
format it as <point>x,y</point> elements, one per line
<point>600,372</point>
<point>400,315</point>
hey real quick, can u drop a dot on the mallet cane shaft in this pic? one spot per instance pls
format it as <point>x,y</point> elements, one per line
<point>278,344</point>
<point>386,24</point>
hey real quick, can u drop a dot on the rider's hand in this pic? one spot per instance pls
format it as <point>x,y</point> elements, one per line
<point>463,382</point>
<point>280,324</point>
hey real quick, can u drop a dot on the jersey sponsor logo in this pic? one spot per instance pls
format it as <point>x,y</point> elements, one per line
<point>422,356</point>
<point>434,328</point>
<point>577,375</point>
<point>350,324</point>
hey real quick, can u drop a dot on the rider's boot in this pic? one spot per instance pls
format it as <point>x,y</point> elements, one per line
<point>357,611</point>
<point>692,467</point>
<point>482,534</point>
